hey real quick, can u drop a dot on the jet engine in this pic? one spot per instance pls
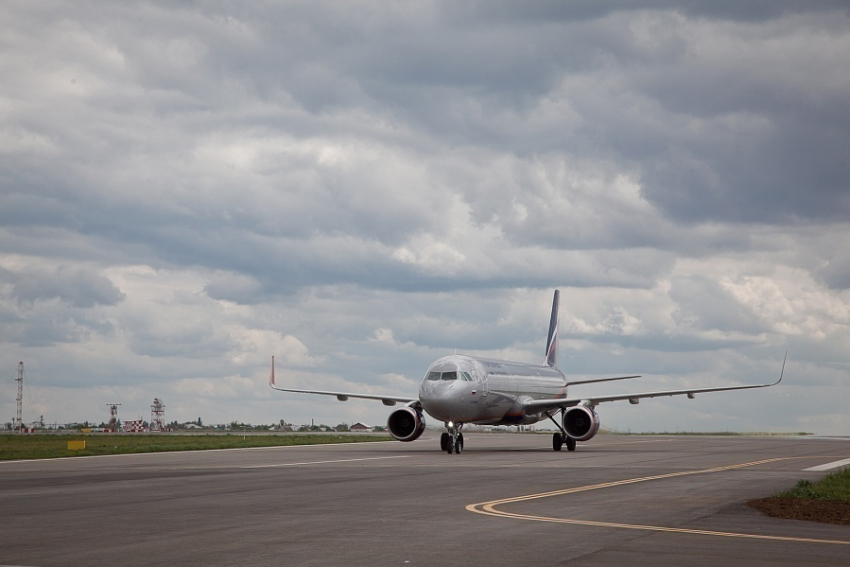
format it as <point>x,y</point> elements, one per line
<point>581,423</point>
<point>406,423</point>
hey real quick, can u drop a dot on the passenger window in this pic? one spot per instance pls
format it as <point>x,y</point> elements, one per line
<point>449,375</point>
<point>433,376</point>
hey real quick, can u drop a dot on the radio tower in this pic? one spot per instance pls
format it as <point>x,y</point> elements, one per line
<point>19,422</point>
<point>157,415</point>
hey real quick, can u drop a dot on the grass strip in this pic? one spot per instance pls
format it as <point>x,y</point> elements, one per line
<point>15,447</point>
<point>834,487</point>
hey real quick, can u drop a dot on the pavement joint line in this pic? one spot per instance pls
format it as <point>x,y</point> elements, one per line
<point>192,451</point>
<point>278,465</point>
<point>489,508</point>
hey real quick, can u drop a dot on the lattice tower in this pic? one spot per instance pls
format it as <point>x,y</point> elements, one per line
<point>113,416</point>
<point>157,415</point>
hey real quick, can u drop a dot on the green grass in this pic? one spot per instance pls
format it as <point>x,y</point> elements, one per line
<point>51,446</point>
<point>834,487</point>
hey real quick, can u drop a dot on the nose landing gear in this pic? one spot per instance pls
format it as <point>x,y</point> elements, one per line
<point>452,441</point>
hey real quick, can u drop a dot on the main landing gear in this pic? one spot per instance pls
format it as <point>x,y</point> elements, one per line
<point>452,441</point>
<point>560,438</point>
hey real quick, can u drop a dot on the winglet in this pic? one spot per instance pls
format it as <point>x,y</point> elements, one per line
<point>552,339</point>
<point>782,372</point>
<point>271,376</point>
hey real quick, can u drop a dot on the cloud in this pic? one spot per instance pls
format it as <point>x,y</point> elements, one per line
<point>75,286</point>
<point>187,190</point>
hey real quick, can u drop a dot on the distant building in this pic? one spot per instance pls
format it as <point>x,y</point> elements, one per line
<point>360,427</point>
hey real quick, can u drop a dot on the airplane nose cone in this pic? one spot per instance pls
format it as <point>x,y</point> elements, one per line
<point>444,401</point>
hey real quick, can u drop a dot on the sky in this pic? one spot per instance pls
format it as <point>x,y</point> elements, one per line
<point>359,188</point>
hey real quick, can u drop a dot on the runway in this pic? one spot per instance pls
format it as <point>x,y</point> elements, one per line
<point>507,500</point>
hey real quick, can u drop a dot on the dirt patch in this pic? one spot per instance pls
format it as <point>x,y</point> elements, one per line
<point>826,511</point>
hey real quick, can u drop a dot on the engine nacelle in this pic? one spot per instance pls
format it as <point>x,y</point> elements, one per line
<point>406,424</point>
<point>581,423</point>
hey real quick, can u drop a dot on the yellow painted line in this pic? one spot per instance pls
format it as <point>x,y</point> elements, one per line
<point>489,508</point>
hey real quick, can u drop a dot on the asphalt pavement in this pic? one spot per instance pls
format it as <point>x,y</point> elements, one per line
<point>508,499</point>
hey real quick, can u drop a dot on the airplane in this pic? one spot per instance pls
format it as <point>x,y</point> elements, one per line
<point>464,389</point>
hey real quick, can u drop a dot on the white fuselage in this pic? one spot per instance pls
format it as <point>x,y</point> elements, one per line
<point>467,389</point>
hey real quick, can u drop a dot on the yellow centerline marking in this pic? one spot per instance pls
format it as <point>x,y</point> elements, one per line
<point>489,508</point>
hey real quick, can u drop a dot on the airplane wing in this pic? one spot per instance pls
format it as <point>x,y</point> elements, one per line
<point>343,396</point>
<point>636,397</point>
<point>594,380</point>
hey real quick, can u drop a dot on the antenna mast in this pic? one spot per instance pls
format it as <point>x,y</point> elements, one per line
<point>19,422</point>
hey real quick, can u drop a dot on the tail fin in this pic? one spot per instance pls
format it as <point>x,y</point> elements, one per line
<point>552,340</point>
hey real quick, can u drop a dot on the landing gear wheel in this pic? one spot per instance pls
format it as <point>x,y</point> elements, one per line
<point>449,447</point>
<point>571,444</point>
<point>444,441</point>
<point>557,441</point>
<point>459,443</point>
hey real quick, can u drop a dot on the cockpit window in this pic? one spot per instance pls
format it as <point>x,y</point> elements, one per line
<point>466,377</point>
<point>449,375</point>
<point>433,376</point>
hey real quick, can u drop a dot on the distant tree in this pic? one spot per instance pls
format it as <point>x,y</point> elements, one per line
<point>304,428</point>
<point>378,429</point>
<point>342,427</point>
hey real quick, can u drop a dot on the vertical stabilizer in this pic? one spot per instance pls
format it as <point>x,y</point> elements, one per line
<point>552,340</point>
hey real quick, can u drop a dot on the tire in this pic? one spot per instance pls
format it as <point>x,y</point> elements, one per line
<point>459,446</point>
<point>571,444</point>
<point>444,441</point>
<point>557,441</point>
